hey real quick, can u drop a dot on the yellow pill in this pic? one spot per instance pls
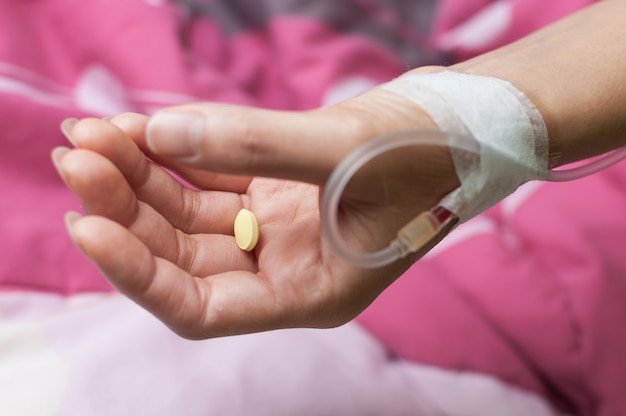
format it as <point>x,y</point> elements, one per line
<point>246,230</point>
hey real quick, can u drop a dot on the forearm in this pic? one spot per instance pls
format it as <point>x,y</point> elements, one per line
<point>574,71</point>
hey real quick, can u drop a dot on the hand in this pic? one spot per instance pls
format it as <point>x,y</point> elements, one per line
<point>170,247</point>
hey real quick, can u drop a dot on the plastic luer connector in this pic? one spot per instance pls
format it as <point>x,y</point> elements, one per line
<point>417,233</point>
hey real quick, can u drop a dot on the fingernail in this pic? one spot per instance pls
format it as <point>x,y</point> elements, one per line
<point>70,218</point>
<point>66,127</point>
<point>175,133</point>
<point>57,154</point>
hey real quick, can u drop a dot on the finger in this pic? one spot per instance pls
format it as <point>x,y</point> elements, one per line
<point>185,209</point>
<point>170,293</point>
<point>98,184</point>
<point>103,191</point>
<point>302,146</point>
<point>223,304</point>
<point>134,125</point>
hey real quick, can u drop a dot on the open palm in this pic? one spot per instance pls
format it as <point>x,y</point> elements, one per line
<point>170,247</point>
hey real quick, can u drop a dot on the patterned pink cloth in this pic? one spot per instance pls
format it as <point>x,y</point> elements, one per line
<point>466,28</point>
<point>531,291</point>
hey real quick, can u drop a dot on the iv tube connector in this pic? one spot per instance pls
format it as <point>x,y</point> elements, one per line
<point>417,233</point>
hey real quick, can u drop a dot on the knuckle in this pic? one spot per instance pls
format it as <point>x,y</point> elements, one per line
<point>242,146</point>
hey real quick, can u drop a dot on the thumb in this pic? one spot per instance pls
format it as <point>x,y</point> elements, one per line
<point>302,146</point>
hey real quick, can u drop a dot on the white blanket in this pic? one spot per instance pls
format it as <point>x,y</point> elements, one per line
<point>102,355</point>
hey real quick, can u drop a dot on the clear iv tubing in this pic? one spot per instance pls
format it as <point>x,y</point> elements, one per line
<point>587,169</point>
<point>351,164</point>
<point>398,248</point>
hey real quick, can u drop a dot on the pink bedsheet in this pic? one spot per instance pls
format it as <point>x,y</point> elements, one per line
<point>465,28</point>
<point>530,292</point>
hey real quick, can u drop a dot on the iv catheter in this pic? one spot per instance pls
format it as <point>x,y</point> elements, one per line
<point>426,226</point>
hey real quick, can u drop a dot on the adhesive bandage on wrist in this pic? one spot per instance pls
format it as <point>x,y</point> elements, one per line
<point>509,130</point>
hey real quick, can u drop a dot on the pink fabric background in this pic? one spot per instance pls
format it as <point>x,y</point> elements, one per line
<point>531,291</point>
<point>522,17</point>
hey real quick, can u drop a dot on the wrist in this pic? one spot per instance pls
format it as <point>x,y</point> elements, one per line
<point>508,131</point>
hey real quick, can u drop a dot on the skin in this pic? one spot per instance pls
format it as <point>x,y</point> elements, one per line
<point>179,258</point>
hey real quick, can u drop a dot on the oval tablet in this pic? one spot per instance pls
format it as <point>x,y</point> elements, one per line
<point>246,230</point>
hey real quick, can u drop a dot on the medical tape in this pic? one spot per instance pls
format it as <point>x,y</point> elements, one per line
<point>511,135</point>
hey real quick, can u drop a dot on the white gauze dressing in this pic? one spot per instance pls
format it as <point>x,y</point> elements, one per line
<point>511,135</point>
